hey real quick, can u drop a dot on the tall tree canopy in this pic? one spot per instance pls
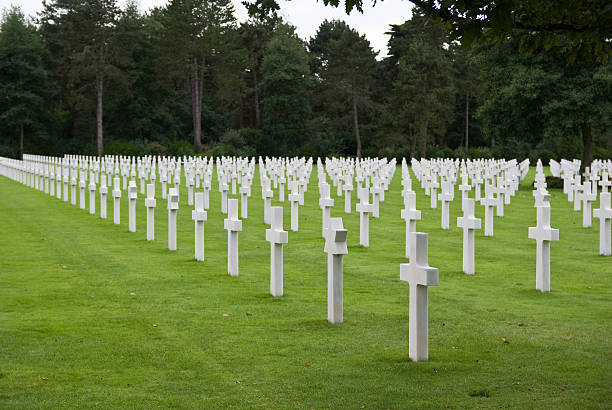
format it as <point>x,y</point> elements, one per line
<point>538,98</point>
<point>285,83</point>
<point>538,24</point>
<point>344,62</point>
<point>421,72</point>
<point>23,75</point>
<point>79,32</point>
<point>196,33</point>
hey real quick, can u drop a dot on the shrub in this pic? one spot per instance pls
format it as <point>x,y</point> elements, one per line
<point>554,182</point>
<point>600,152</point>
<point>129,148</point>
<point>180,148</point>
<point>156,148</point>
<point>262,143</point>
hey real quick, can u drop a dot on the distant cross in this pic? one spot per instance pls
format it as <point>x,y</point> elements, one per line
<point>150,203</point>
<point>469,223</point>
<point>277,237</point>
<point>410,214</point>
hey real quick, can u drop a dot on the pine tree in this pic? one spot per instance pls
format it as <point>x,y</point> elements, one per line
<point>23,75</point>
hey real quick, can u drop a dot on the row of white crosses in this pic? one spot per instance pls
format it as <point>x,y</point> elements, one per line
<point>498,177</point>
<point>276,173</point>
<point>366,176</point>
<point>584,193</point>
<point>297,173</point>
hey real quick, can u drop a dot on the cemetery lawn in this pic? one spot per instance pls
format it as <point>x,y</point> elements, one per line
<point>94,316</point>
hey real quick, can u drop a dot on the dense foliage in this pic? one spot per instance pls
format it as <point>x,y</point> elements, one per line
<point>87,77</point>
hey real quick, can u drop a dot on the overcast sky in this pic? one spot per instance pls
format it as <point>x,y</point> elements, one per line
<point>306,15</point>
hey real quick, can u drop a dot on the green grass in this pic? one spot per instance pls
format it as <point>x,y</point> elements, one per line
<point>79,298</point>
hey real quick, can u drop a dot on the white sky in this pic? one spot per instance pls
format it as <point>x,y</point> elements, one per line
<point>306,15</point>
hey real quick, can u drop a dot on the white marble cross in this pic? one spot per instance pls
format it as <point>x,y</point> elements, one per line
<point>587,197</point>
<point>206,184</point>
<point>433,186</point>
<point>543,234</point>
<point>446,197</point>
<point>116,201</point>
<point>365,209</point>
<point>541,196</point>
<point>150,204</point>
<point>488,202</point>
<point>82,190</point>
<point>377,193</point>
<point>419,275</point>
<point>294,199</point>
<point>92,195</point>
<point>103,193</point>
<point>410,214</point>
<point>325,203</point>
<point>66,180</point>
<point>52,182</point>
<point>223,188</point>
<point>477,182</point>
<point>233,225</point>
<point>190,182</point>
<point>132,195</point>
<point>73,185</point>
<point>199,215</point>
<point>281,187</point>
<point>465,188</point>
<point>173,206</point>
<point>58,188</point>
<point>266,194</point>
<point>605,183</point>
<point>469,223</point>
<point>277,237</point>
<point>348,189</point>
<point>163,178</point>
<point>500,190</point>
<point>604,213</point>
<point>245,190</point>
<point>576,188</point>
<point>335,246</point>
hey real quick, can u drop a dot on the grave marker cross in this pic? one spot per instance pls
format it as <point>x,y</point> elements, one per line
<point>419,276</point>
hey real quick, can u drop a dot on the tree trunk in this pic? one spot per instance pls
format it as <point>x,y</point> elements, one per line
<point>196,103</point>
<point>423,138</point>
<point>467,120</point>
<point>412,145</point>
<point>99,109</point>
<point>21,140</point>
<point>492,142</point>
<point>356,122</point>
<point>256,97</point>
<point>587,151</point>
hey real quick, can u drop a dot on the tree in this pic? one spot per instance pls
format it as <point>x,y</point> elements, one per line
<point>195,33</point>
<point>285,82</point>
<point>344,62</point>
<point>79,31</point>
<point>24,84</point>
<point>467,82</point>
<point>255,35</point>
<point>535,97</point>
<point>421,73</point>
<point>538,24</point>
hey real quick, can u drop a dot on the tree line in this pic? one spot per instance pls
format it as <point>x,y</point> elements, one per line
<point>84,76</point>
